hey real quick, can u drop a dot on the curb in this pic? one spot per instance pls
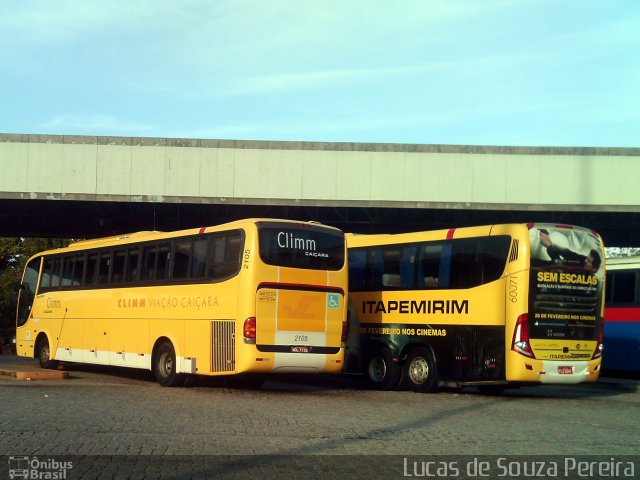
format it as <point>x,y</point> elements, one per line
<point>19,375</point>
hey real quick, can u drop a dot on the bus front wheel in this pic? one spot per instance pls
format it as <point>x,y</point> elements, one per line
<point>420,372</point>
<point>380,369</point>
<point>164,366</point>
<point>44,354</point>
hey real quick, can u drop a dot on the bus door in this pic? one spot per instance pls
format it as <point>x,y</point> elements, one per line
<point>27,294</point>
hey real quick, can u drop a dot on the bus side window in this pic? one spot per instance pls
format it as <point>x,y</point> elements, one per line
<point>233,251</point>
<point>444,270</point>
<point>225,255</point>
<point>181,254</point>
<point>216,257</point>
<point>478,261</point>
<point>408,267</point>
<point>117,272</point>
<point>91,277</point>
<point>357,264</point>
<point>47,273</point>
<point>608,296</point>
<point>391,272</point>
<point>624,288</point>
<point>67,271</point>
<point>78,270</point>
<point>429,266</point>
<point>103,267</point>
<point>466,271</point>
<point>55,275</point>
<point>149,256</point>
<point>164,261</point>
<point>374,270</point>
<point>199,252</point>
<point>495,251</point>
<point>133,262</point>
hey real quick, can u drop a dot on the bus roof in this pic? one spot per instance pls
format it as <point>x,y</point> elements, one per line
<point>126,238</point>
<point>358,240</point>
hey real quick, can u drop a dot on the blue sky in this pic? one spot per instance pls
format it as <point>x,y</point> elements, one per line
<point>490,72</point>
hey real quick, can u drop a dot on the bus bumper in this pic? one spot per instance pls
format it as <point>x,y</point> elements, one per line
<point>555,371</point>
<point>569,372</point>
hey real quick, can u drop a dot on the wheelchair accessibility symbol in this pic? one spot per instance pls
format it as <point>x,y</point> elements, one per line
<point>333,300</point>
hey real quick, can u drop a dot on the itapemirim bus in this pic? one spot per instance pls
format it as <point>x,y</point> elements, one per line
<point>257,295</point>
<point>487,306</point>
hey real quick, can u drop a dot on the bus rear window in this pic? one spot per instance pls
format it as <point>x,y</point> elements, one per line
<point>312,247</point>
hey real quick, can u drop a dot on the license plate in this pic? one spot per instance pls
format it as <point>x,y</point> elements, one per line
<point>565,370</point>
<point>300,349</point>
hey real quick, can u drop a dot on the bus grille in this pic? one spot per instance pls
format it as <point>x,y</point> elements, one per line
<point>223,346</point>
<point>514,250</point>
<point>479,354</point>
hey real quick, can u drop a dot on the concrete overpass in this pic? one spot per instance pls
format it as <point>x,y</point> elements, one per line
<point>92,186</point>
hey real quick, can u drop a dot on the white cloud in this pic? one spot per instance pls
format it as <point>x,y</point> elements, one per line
<point>328,79</point>
<point>94,123</point>
<point>262,84</point>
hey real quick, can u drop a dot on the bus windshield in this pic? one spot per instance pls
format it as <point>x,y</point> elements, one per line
<point>307,246</point>
<point>567,277</point>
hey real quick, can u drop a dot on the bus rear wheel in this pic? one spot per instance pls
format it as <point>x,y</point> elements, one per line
<point>164,366</point>
<point>44,354</point>
<point>420,374</point>
<point>380,369</point>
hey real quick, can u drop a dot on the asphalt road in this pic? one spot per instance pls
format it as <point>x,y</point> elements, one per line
<point>316,426</point>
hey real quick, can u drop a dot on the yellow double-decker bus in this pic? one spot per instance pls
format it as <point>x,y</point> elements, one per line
<point>484,306</point>
<point>252,296</point>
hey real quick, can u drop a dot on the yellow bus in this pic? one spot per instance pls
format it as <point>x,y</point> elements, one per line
<point>485,306</point>
<point>251,296</point>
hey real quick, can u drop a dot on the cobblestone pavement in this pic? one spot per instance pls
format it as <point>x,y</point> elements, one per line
<point>98,411</point>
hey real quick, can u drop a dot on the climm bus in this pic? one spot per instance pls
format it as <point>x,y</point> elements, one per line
<point>254,296</point>
<point>622,316</point>
<point>485,306</point>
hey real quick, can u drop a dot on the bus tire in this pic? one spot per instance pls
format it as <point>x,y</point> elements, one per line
<point>43,351</point>
<point>164,366</point>
<point>380,369</point>
<point>420,373</point>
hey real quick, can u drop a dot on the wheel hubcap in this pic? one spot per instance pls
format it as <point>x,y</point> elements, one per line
<point>377,369</point>
<point>44,354</point>
<point>166,364</point>
<point>419,370</point>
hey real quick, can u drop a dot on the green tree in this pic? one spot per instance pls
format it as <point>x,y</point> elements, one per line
<point>9,281</point>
